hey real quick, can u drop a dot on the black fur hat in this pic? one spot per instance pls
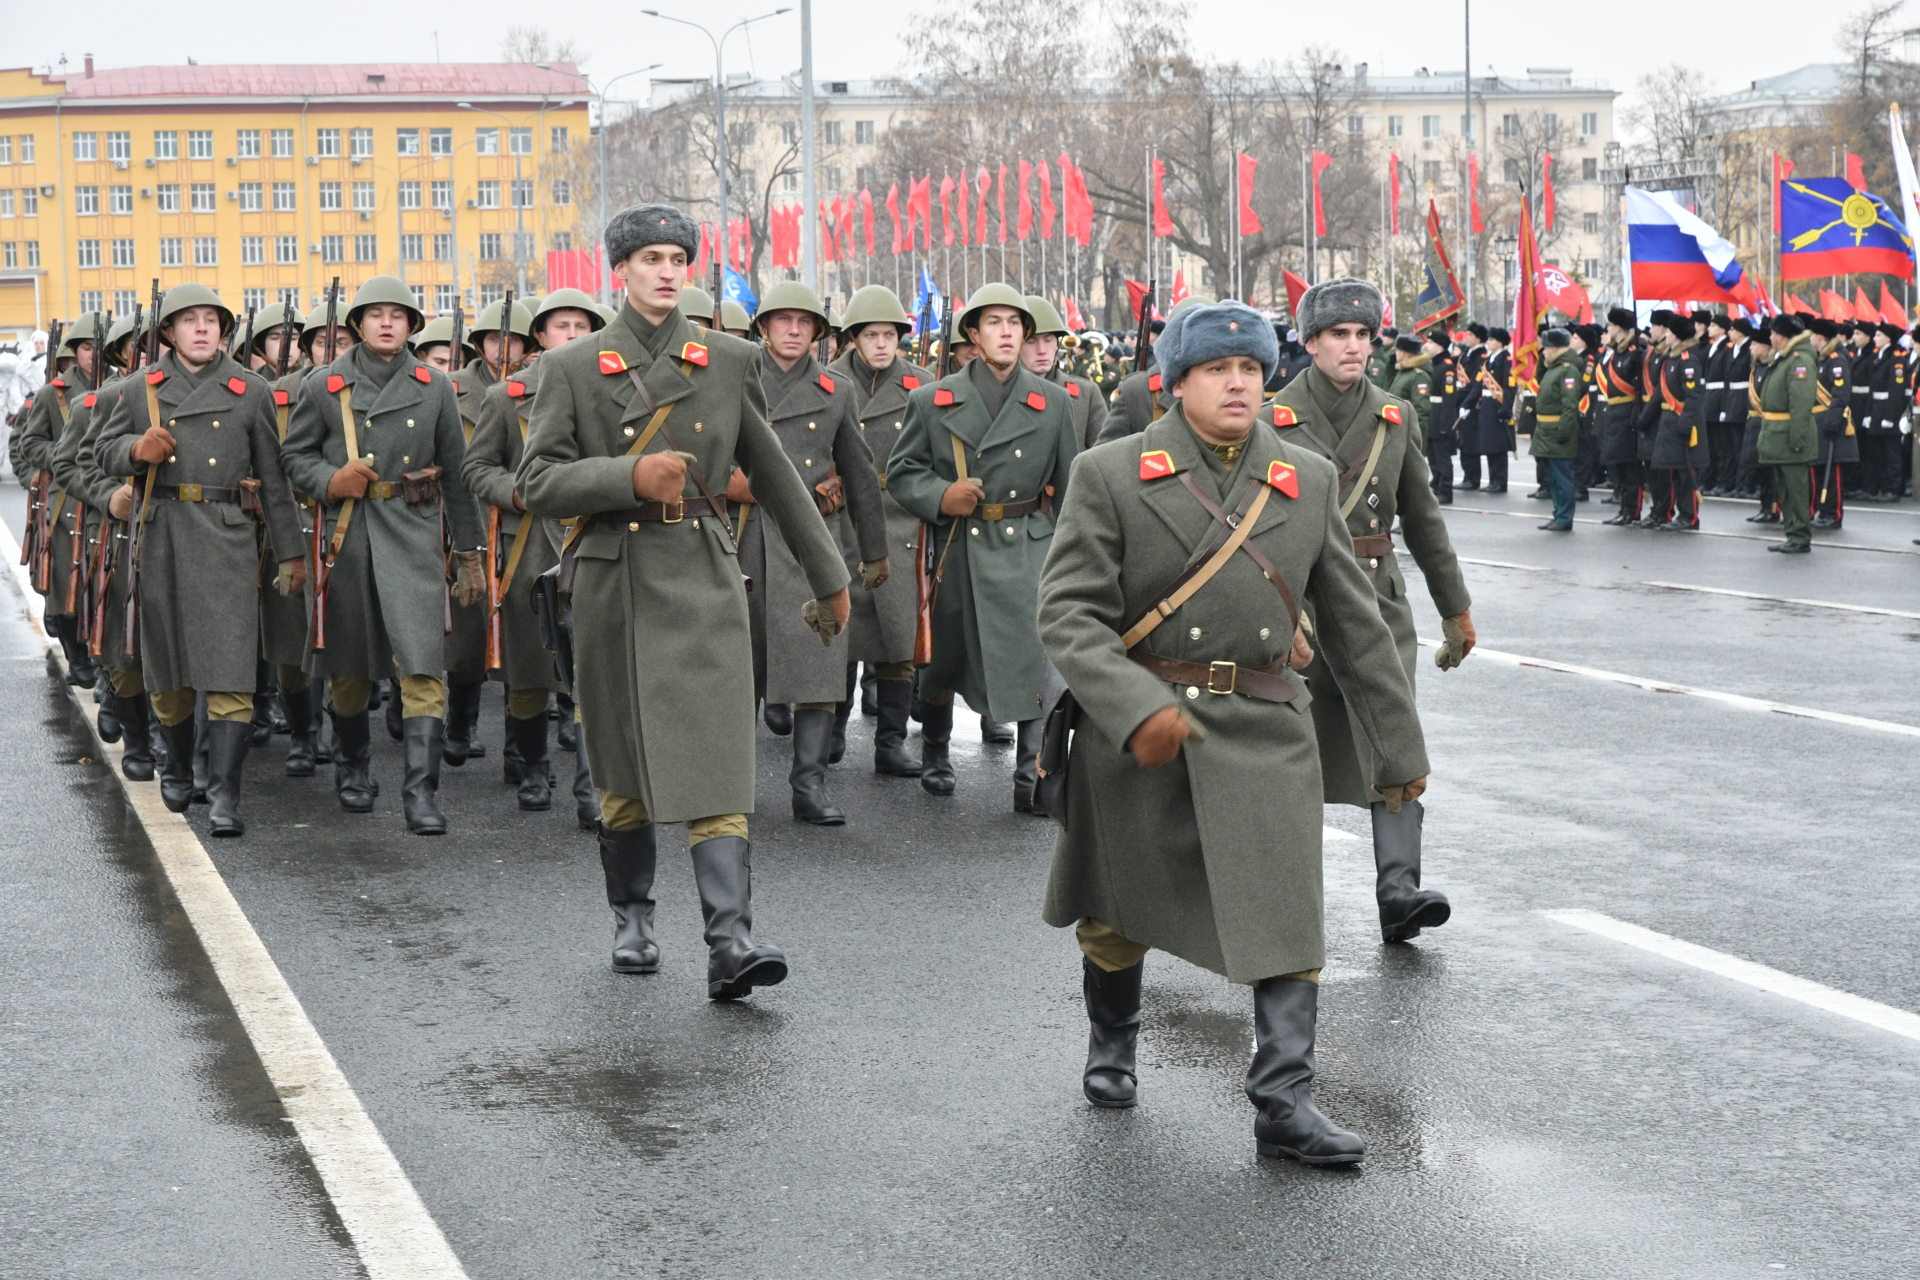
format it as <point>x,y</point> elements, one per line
<point>644,224</point>
<point>1622,317</point>
<point>1784,326</point>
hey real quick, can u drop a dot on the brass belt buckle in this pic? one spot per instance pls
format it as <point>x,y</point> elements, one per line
<point>993,511</point>
<point>190,493</point>
<point>1215,669</point>
<point>680,512</point>
<point>380,490</point>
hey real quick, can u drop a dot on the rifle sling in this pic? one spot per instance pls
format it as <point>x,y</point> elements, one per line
<point>1359,473</point>
<point>1230,537</point>
<point>1259,557</point>
<point>353,455</point>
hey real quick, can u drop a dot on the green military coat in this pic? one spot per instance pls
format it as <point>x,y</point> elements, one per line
<point>1134,402</point>
<point>1556,406</point>
<point>985,646</point>
<point>1788,399</point>
<point>883,622</point>
<point>387,599</point>
<point>1214,856</point>
<point>1396,487</point>
<point>1380,366</point>
<point>200,562</point>
<point>663,647</point>
<point>1084,401</point>
<point>43,424</point>
<point>283,619</point>
<point>1412,381</point>
<point>100,486</point>
<point>466,644</point>
<point>492,462</point>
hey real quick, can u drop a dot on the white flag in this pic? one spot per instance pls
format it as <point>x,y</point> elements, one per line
<point>1903,165</point>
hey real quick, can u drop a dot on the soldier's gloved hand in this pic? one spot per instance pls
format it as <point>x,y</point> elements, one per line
<point>1402,793</point>
<point>961,497</point>
<point>873,573</point>
<point>737,488</point>
<point>351,481</point>
<point>1158,738</point>
<point>292,576</point>
<point>154,445</point>
<point>120,505</point>
<point>470,584</point>
<point>1302,656</point>
<point>828,616</point>
<point>660,477</point>
<point>1460,639</point>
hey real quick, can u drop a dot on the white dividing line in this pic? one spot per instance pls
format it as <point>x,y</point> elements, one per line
<point>1491,564</point>
<point>396,1237</point>
<point>1822,545</point>
<point>1847,1005</point>
<point>1755,595</point>
<point>1741,701</point>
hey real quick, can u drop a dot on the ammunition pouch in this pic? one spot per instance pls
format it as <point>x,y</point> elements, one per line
<point>420,486</point>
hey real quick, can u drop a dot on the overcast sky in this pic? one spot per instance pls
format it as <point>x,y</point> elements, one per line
<point>859,40</point>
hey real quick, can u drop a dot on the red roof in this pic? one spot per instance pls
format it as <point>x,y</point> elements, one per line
<point>333,80</point>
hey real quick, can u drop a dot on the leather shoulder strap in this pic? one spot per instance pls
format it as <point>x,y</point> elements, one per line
<point>1230,538</point>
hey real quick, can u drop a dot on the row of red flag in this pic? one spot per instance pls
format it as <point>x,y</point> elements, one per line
<point>1835,307</point>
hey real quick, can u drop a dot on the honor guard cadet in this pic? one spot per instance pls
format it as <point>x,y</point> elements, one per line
<point>813,414</point>
<point>199,435</point>
<point>521,547</point>
<point>631,430</point>
<point>983,460</point>
<point>1191,812</point>
<point>64,525</point>
<point>1839,444</point>
<point>376,436</point>
<point>1040,356</point>
<point>1486,431</point>
<point>1882,473</point>
<point>1557,407</point>
<point>1789,435</point>
<point>1678,390</point>
<point>1620,374</point>
<point>885,617</point>
<point>1374,443</point>
<point>1442,423</point>
<point>1142,396</point>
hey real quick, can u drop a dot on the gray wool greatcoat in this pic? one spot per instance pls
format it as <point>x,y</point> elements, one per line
<point>35,442</point>
<point>662,644</point>
<point>1399,488</point>
<point>985,645</point>
<point>466,644</point>
<point>200,564</point>
<point>819,427</point>
<point>493,460</point>
<point>99,487</point>
<point>387,598</point>
<point>1215,856</point>
<point>883,622</point>
<point>1088,406</point>
<point>283,619</point>
<point>1133,402</point>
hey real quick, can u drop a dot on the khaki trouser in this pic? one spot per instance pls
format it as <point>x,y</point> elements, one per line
<point>292,679</point>
<point>526,704</point>
<point>624,813</point>
<point>419,695</point>
<point>1112,953</point>
<point>176,705</point>
<point>127,684</point>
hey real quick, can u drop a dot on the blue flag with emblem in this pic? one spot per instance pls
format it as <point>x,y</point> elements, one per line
<point>928,291</point>
<point>735,289</point>
<point>1829,229</point>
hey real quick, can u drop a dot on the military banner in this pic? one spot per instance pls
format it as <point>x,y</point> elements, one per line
<point>1439,295</point>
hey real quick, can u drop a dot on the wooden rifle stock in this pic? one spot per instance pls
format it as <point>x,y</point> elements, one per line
<point>494,601</point>
<point>923,579</point>
<point>322,570</point>
<point>101,578</point>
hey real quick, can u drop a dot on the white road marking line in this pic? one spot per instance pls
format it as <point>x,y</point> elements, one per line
<point>1712,695</point>
<point>1335,833</point>
<point>1492,564</point>
<point>1696,533</point>
<point>397,1239</point>
<point>1854,507</point>
<point>1860,1009</point>
<point>1755,595</point>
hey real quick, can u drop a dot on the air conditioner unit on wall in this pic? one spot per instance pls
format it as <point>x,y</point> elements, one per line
<point>365,216</point>
<point>146,193</point>
<point>233,195</point>
<point>150,162</point>
<point>313,159</point>
<point>121,164</point>
<point>232,162</point>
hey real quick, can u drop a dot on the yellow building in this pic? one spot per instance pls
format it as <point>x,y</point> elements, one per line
<point>263,182</point>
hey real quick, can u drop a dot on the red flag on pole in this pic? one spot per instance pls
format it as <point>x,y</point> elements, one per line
<point>1025,226</point>
<point>1890,310</point>
<point>980,210</point>
<point>923,193</point>
<point>1782,170</point>
<point>1558,289</point>
<point>1835,307</point>
<point>1075,321</point>
<point>866,218</point>
<point>1162,220</point>
<point>1001,195</point>
<point>893,208</point>
<point>1473,192</point>
<point>1393,193</point>
<point>1794,305</point>
<point>946,207</point>
<point>1249,220</point>
<point>1179,294</point>
<point>1528,307</point>
<point>1136,297</point>
<point>1863,308</point>
<point>1046,200</point>
<point>963,199</point>
<point>1856,172</point>
<point>1320,162</point>
<point>1296,289</point>
<point>1546,196</point>
<point>829,242</point>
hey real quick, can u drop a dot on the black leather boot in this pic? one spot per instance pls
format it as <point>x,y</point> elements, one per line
<point>107,718</point>
<point>628,858</point>
<point>424,740</point>
<point>1405,908</point>
<point>843,712</point>
<point>300,759</point>
<point>202,761</point>
<point>510,761</point>
<point>995,732</point>
<point>463,713</point>
<point>530,736</point>
<point>812,739</point>
<point>396,712</point>
<point>1280,1081</point>
<point>136,760</point>
<point>890,754</point>
<point>779,718</point>
<point>1026,766</point>
<point>1113,1019</point>
<point>227,743</point>
<point>352,749</point>
<point>936,733</point>
<point>586,800</point>
<point>81,672</point>
<point>323,732</point>
<point>261,725</point>
<point>869,690</point>
<point>277,710</point>
<point>176,783</point>
<point>723,869</point>
<point>158,743</point>
<point>567,734</point>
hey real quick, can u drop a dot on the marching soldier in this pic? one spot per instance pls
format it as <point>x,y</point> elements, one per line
<point>433,345</point>
<point>1788,433</point>
<point>982,461</point>
<point>1208,845</point>
<point>376,437</point>
<point>1839,443</point>
<point>1443,394</point>
<point>1619,377</point>
<point>193,542</point>
<point>1556,422</point>
<point>885,618</point>
<point>814,416</point>
<point>1041,357</point>
<point>42,423</point>
<point>630,431</point>
<point>1677,440</point>
<point>1375,444</point>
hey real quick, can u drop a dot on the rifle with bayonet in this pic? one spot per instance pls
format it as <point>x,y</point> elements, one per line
<point>39,488</point>
<point>77,575</point>
<point>286,340</point>
<point>1143,344</point>
<point>322,558</point>
<point>246,343</point>
<point>457,351</point>
<point>129,640</point>
<point>506,333</point>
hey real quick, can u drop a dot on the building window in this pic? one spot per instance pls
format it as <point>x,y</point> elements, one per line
<point>1590,170</point>
<point>9,255</point>
<point>283,197</point>
<point>86,146</point>
<point>520,141</point>
<point>200,144</point>
<point>790,135</point>
<point>120,146</point>
<point>283,144</point>
<point>487,195</point>
<point>410,247</point>
<point>253,251</point>
<point>123,301</point>
<point>442,247</point>
<point>1592,268</point>
<point>833,133</point>
<point>1589,123</point>
<point>1510,126</point>
<point>246,144</point>
<point>741,135</point>
<point>442,194</point>
<point>523,194</point>
<point>419,292</point>
<point>445,297</point>
<point>406,142</point>
<point>563,240</point>
<point>522,245</point>
<point>490,246</point>
<point>6,204</point>
<point>171,251</point>
<point>333,248</point>
<point>166,197</point>
<point>123,252</point>
<point>1551,124</point>
<point>486,142</point>
<point>203,197</point>
<point>1396,126</point>
<point>366,248</point>
<point>361,142</point>
<point>122,199</point>
<point>253,299</point>
<point>1429,126</point>
<point>789,182</point>
<point>1512,173</point>
<point>1432,171</point>
<point>252,197</point>
<point>91,300</point>
<point>86,200</point>
<point>89,252</point>
<point>30,202</point>
<point>33,250</point>
<point>206,251</point>
<point>326,142</point>
<point>562,192</point>
<point>557,139</point>
<point>363,200</point>
<point>6,149</point>
<point>286,250</point>
<point>492,293</point>
<point>26,157</point>
<point>409,195</point>
<point>1356,126</point>
<point>863,133</point>
<point>440,142</point>
<point>329,196</point>
<point>1590,223</point>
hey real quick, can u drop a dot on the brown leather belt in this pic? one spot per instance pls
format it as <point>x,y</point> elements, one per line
<point>1374,544</point>
<point>197,493</point>
<point>659,512</point>
<point>1009,510</point>
<point>1264,683</point>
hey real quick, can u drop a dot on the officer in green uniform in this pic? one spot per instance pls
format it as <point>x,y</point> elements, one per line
<point>1412,379</point>
<point>1382,362</point>
<point>1043,356</point>
<point>1556,422</point>
<point>1192,788</point>
<point>983,461</point>
<point>629,434</point>
<point>1789,437</point>
<point>1375,443</point>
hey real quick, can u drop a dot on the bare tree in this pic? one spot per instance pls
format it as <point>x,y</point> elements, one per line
<point>1674,116</point>
<point>534,44</point>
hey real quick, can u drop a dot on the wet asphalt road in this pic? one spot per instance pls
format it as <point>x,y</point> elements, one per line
<point>1538,1101</point>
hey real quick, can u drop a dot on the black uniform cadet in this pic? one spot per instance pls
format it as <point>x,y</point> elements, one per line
<point>1619,376</point>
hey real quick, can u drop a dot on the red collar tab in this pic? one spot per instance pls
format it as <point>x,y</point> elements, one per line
<point>335,383</point>
<point>155,378</point>
<point>1153,382</point>
<point>422,374</point>
<point>60,383</point>
<point>282,398</point>
<point>1284,417</point>
<point>1156,465</point>
<point>1392,414</point>
<point>826,383</point>
<point>1073,389</point>
<point>88,402</point>
<point>237,385</point>
<point>612,362</point>
<point>516,389</point>
<point>1036,401</point>
<point>694,353</point>
<point>1282,477</point>
<point>943,397</point>
<point>910,382</point>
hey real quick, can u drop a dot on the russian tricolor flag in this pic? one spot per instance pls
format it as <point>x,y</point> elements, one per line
<point>1676,256</point>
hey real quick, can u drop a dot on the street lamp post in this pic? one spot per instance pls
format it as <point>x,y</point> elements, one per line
<point>606,296</point>
<point>519,206</point>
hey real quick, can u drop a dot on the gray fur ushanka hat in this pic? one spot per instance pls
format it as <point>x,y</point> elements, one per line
<point>1344,300</point>
<point>645,224</point>
<point>1206,333</point>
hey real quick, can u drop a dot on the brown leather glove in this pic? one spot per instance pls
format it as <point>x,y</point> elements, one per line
<point>660,477</point>
<point>120,505</point>
<point>1302,656</point>
<point>961,497</point>
<point>470,584</point>
<point>1158,738</point>
<point>351,481</point>
<point>1459,642</point>
<point>1402,793</point>
<point>154,445</point>
<point>292,576</point>
<point>873,573</point>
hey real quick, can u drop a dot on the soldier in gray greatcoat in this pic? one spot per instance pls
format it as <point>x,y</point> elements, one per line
<point>42,423</point>
<point>1040,356</point>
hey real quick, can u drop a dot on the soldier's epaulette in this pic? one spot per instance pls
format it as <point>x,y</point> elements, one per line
<point>58,382</point>
<point>942,397</point>
<point>422,374</point>
<point>612,362</point>
<point>1284,416</point>
<point>1036,401</point>
<point>1391,413</point>
<point>1283,477</point>
<point>826,384</point>
<point>157,377</point>
<point>1157,465</point>
<point>335,383</point>
<point>516,389</point>
<point>910,382</point>
<point>237,385</point>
